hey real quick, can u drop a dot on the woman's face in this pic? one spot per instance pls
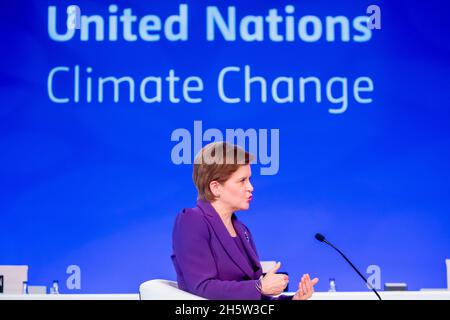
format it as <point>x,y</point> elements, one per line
<point>236,192</point>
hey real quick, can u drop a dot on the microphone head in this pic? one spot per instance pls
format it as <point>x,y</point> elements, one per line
<point>320,237</point>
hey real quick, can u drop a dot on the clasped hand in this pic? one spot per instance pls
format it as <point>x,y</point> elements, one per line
<point>274,284</point>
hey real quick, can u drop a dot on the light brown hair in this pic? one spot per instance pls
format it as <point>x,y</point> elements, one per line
<point>217,161</point>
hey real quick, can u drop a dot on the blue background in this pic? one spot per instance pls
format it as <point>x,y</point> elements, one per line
<point>94,185</point>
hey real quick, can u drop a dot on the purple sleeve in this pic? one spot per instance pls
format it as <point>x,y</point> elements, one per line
<point>196,261</point>
<point>280,297</point>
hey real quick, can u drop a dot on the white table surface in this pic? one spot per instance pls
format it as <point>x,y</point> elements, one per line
<point>367,295</point>
<point>385,295</point>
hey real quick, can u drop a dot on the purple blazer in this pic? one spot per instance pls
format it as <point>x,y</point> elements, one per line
<point>207,260</point>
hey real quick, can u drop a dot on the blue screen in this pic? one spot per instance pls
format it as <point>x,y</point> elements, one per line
<point>104,106</point>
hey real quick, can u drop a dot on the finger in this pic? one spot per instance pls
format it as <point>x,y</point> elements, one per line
<point>300,285</point>
<point>300,289</point>
<point>308,284</point>
<point>305,291</point>
<point>314,281</point>
<point>309,292</point>
<point>303,280</point>
<point>275,268</point>
<point>310,287</point>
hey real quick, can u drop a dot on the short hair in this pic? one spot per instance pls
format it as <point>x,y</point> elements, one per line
<point>217,161</point>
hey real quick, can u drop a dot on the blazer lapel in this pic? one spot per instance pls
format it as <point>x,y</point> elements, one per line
<point>245,237</point>
<point>224,237</point>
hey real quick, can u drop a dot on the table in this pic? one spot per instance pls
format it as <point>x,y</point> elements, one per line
<point>367,295</point>
<point>385,295</point>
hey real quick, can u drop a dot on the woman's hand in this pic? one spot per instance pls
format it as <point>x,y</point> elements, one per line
<point>273,283</point>
<point>305,288</point>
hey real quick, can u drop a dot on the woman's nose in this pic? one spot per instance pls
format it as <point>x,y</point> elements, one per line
<point>250,186</point>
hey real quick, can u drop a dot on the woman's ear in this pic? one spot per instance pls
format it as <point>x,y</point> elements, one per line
<point>214,186</point>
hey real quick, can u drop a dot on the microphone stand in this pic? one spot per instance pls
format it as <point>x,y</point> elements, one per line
<point>354,268</point>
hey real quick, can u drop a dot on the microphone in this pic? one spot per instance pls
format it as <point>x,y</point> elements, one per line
<point>321,238</point>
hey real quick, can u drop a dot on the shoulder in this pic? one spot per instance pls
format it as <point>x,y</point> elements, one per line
<point>192,220</point>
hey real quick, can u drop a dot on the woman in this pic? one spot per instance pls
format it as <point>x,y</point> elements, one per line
<point>213,252</point>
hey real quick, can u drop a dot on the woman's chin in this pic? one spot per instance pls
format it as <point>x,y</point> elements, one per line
<point>245,206</point>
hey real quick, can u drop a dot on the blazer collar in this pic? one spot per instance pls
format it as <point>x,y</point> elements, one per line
<point>241,230</point>
<point>227,241</point>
